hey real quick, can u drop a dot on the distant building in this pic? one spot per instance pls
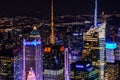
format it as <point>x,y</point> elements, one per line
<point>18,64</point>
<point>74,41</point>
<point>82,70</point>
<point>6,64</point>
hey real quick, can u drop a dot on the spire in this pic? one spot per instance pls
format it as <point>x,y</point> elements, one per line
<point>34,28</point>
<point>34,31</point>
<point>95,13</point>
<point>52,36</point>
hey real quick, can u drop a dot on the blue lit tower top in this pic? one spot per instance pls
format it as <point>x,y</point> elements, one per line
<point>34,38</point>
<point>34,33</point>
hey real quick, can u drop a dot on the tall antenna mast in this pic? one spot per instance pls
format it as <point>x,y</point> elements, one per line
<point>95,13</point>
<point>52,36</point>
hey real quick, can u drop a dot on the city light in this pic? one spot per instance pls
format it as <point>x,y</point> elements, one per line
<point>79,66</point>
<point>72,44</point>
<point>33,43</point>
<point>111,45</point>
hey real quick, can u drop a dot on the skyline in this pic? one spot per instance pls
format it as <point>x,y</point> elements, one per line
<point>42,7</point>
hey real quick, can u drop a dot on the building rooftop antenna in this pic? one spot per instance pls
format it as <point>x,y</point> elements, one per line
<point>95,13</point>
<point>52,36</point>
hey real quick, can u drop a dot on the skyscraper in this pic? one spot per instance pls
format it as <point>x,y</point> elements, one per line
<point>53,62</point>
<point>53,56</point>
<point>94,47</point>
<point>30,60</point>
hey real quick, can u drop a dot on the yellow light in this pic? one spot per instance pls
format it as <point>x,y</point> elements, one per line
<point>61,48</point>
<point>34,28</point>
<point>47,49</point>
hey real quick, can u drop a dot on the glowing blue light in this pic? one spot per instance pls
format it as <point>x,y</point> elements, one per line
<point>77,34</point>
<point>90,69</point>
<point>87,65</point>
<point>111,45</point>
<point>79,66</point>
<point>33,43</point>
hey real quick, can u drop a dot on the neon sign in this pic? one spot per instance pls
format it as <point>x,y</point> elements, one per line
<point>111,45</point>
<point>79,66</point>
<point>76,34</point>
<point>33,43</point>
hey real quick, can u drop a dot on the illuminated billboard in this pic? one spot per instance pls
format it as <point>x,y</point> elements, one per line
<point>111,45</point>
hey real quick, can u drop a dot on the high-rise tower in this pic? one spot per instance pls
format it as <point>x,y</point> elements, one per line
<point>30,59</point>
<point>32,56</point>
<point>94,48</point>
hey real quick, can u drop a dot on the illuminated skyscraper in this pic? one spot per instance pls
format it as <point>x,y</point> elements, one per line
<point>53,59</point>
<point>30,60</point>
<point>91,47</point>
<point>94,47</point>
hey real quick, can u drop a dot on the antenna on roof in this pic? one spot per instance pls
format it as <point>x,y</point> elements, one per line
<point>52,36</point>
<point>95,13</point>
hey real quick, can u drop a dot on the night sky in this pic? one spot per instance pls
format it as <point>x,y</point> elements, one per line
<point>24,7</point>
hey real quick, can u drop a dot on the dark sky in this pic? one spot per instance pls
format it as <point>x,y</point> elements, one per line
<point>20,7</point>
